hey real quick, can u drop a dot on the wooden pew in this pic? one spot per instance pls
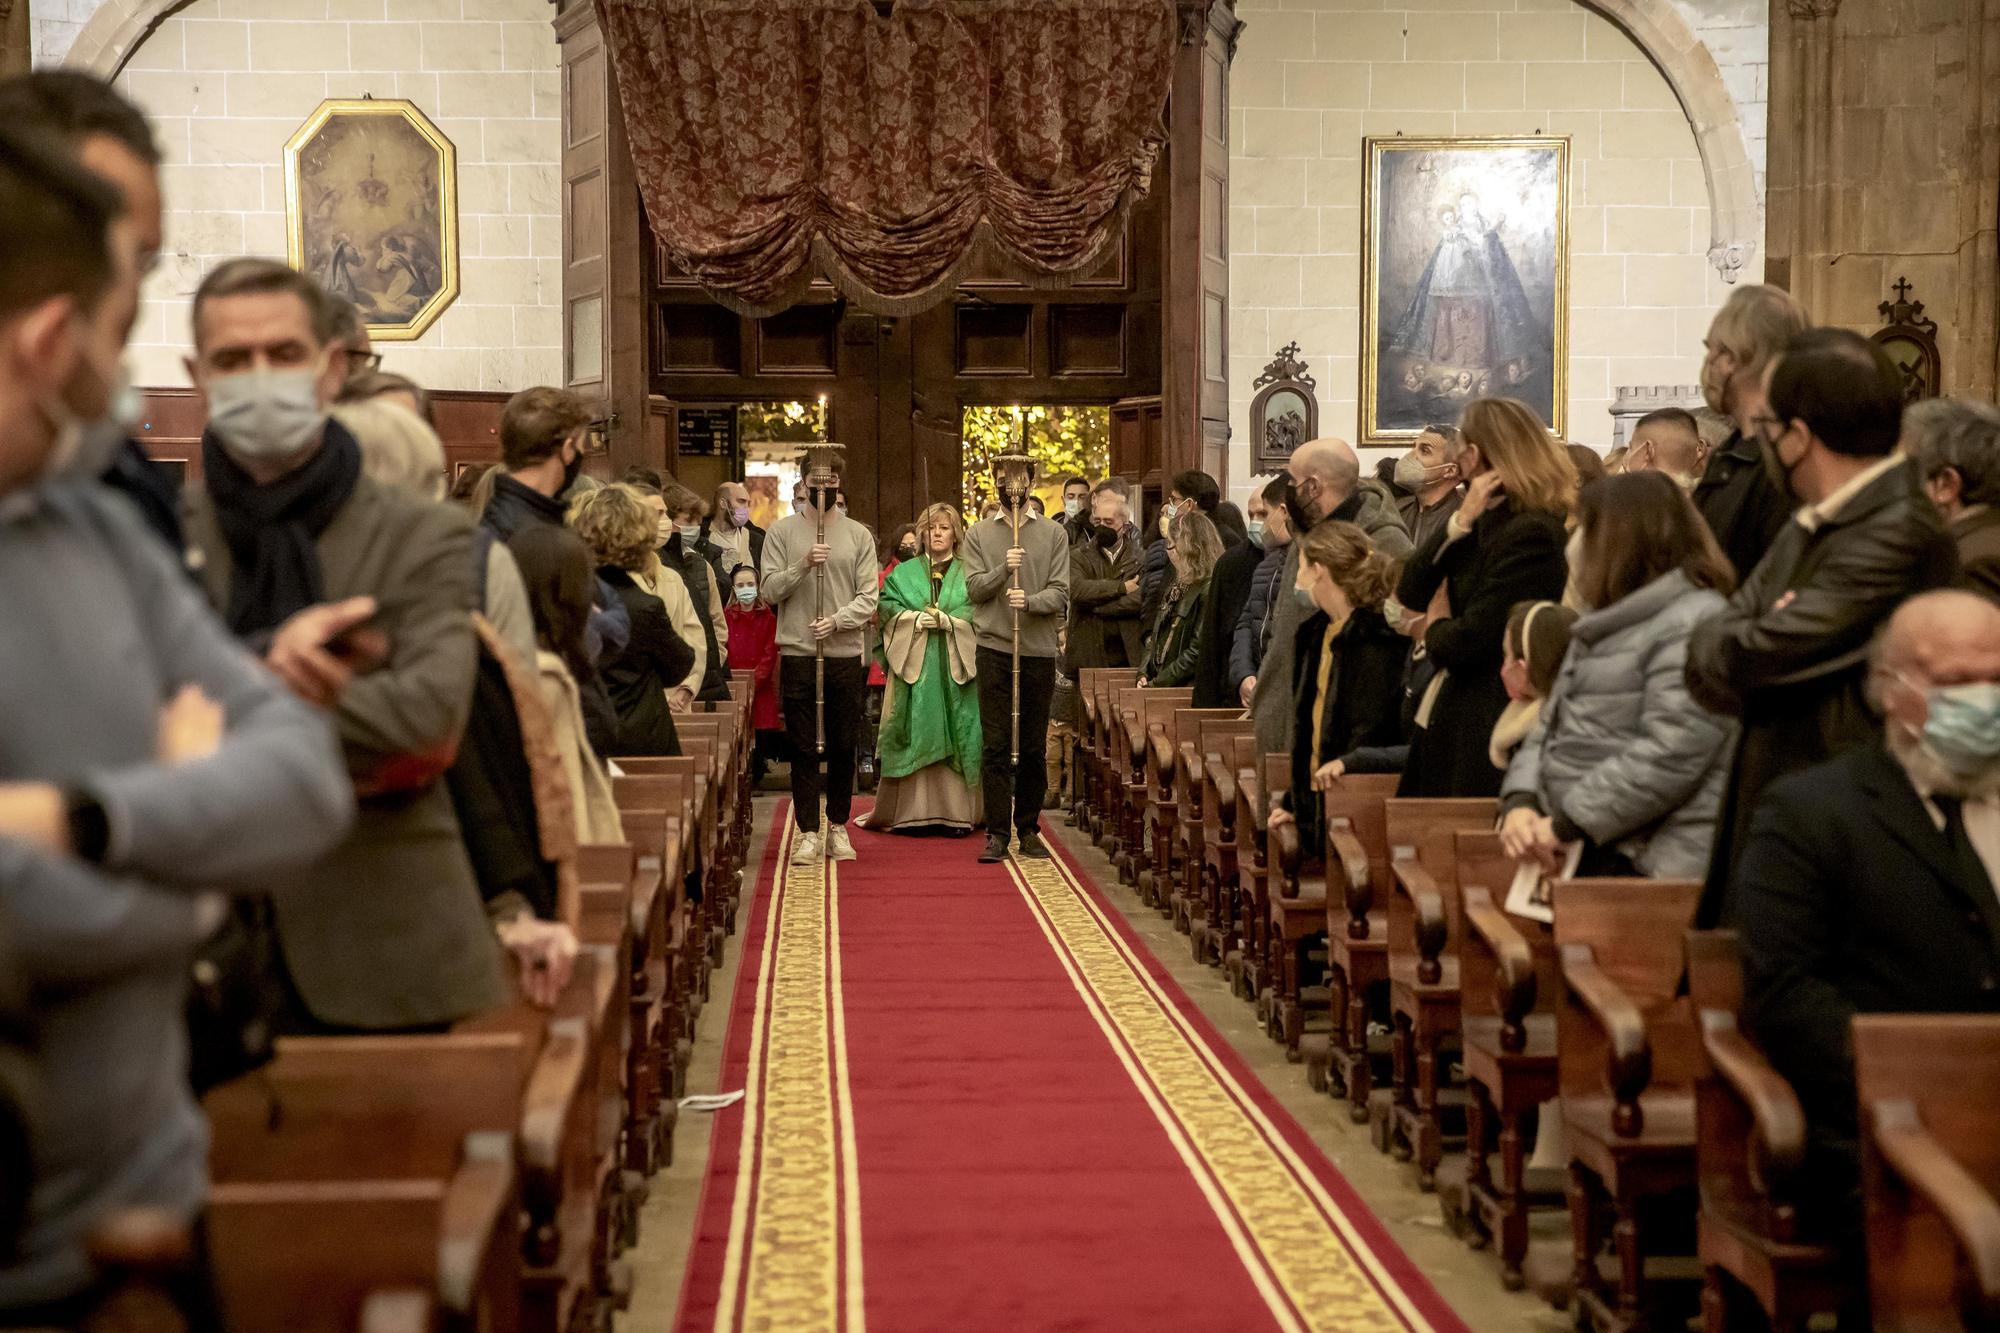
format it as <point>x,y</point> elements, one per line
<point>658,1000</point>
<point>1750,1142</point>
<point>1139,710</point>
<point>1217,933</point>
<point>1625,1054</point>
<point>1507,1037</point>
<point>1174,744</point>
<point>1256,868</point>
<point>1093,767</point>
<point>1357,936</point>
<point>1927,1085</point>
<point>1423,973</point>
<point>350,1165</point>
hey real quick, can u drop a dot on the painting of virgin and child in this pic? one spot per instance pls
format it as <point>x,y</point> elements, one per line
<point>372,212</point>
<point>1465,256</point>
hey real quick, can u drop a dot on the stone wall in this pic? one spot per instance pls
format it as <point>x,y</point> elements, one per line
<point>1311,80</point>
<point>229,81</point>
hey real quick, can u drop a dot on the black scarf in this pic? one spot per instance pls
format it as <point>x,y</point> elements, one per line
<point>273,530</point>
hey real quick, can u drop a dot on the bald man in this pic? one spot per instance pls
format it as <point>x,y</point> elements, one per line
<point>1324,485</point>
<point>1868,884</point>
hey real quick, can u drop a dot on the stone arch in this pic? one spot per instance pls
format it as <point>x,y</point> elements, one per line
<point>1736,222</point>
<point>1735,205</point>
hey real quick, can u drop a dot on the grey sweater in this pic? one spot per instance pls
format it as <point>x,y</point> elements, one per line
<point>852,584</point>
<point>102,631</point>
<point>1044,577</point>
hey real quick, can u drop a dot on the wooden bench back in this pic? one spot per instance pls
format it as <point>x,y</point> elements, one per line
<point>1224,755</point>
<point>366,1108</point>
<point>1927,1087</point>
<point>310,1256</point>
<point>1425,831</point>
<point>1358,806</point>
<point>1094,687</point>
<point>1187,734</point>
<point>1634,930</point>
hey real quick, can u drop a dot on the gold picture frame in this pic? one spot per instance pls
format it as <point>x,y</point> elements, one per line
<point>371,211</point>
<point>1464,280</point>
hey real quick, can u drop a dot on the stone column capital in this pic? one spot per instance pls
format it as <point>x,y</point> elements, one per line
<point>1730,258</point>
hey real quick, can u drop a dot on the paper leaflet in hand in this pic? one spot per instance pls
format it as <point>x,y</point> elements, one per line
<point>1530,895</point>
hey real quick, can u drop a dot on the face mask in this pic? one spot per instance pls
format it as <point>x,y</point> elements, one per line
<point>740,517</point>
<point>663,532</point>
<point>274,414</point>
<point>1071,508</point>
<point>1295,507</point>
<point>1573,557</point>
<point>1255,530</point>
<point>747,596</point>
<point>906,553</point>
<point>574,469</point>
<point>1774,466</point>
<point>1304,598</point>
<point>85,450</point>
<point>1963,729</point>
<point>1413,475</point>
<point>841,509</point>
<point>690,533</point>
<point>1166,520</point>
<point>1104,535</point>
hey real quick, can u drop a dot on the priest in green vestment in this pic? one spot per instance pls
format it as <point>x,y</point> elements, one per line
<point>930,735</point>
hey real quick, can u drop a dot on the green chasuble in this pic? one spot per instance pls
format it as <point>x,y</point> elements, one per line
<point>937,718</point>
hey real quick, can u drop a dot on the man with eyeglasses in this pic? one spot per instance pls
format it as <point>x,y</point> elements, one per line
<point>1789,653</point>
<point>1743,508</point>
<point>343,329</point>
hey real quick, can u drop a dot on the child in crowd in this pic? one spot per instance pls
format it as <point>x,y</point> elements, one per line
<point>1532,652</point>
<point>753,646</point>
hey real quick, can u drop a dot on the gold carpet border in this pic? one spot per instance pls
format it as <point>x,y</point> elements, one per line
<point>1267,1197</point>
<point>785,1238</point>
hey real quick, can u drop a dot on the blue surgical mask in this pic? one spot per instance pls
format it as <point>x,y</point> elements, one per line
<point>1255,527</point>
<point>690,533</point>
<point>1963,729</point>
<point>747,595</point>
<point>1304,598</point>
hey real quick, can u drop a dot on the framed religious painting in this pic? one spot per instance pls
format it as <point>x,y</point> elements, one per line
<point>1464,280</point>
<point>371,212</point>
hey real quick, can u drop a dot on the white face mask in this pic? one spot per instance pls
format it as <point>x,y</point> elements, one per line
<point>747,595</point>
<point>690,533</point>
<point>266,414</point>
<point>663,530</point>
<point>1071,508</point>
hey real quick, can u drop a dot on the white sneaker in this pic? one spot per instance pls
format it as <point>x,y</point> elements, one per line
<point>837,845</point>
<point>806,850</point>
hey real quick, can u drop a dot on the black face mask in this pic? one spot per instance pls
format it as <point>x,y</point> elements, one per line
<point>571,471</point>
<point>906,553</point>
<point>1104,535</point>
<point>822,498</point>
<point>1295,506</point>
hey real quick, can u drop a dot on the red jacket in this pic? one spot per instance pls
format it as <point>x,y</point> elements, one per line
<point>753,646</point>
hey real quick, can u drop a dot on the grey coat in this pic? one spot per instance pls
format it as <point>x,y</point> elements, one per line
<point>1621,752</point>
<point>389,931</point>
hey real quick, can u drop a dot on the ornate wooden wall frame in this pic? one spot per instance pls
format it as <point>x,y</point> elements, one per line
<point>1285,412</point>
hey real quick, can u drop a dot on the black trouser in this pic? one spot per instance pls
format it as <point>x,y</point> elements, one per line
<point>846,698</point>
<point>1005,784</point>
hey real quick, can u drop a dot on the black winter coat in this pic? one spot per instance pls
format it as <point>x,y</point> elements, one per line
<point>637,678</point>
<point>1789,654</point>
<point>1851,901</point>
<point>1365,711</point>
<point>1510,556</point>
<point>1228,591</point>
<point>1742,506</point>
<point>694,568</point>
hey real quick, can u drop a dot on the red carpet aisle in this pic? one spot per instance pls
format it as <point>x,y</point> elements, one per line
<point>975,1102</point>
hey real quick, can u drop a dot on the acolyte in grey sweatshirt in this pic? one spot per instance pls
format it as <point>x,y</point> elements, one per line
<point>98,631</point>
<point>853,582</point>
<point>1044,577</point>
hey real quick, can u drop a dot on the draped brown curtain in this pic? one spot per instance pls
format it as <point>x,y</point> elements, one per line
<point>774,137</point>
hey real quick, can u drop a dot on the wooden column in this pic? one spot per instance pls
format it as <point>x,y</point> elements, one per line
<point>1885,163</point>
<point>1195,374</point>
<point>604,307</point>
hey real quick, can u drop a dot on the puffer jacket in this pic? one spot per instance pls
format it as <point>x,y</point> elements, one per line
<point>1623,755</point>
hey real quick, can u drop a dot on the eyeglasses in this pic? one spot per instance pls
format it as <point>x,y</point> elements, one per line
<point>358,361</point>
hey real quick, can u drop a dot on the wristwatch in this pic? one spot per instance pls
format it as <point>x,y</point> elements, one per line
<point>89,826</point>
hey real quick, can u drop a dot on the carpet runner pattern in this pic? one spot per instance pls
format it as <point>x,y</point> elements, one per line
<point>975,1101</point>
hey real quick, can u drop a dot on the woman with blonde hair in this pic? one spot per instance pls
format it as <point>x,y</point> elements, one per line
<point>620,529</point>
<point>930,735</point>
<point>1347,666</point>
<point>1504,546</point>
<point>1174,645</point>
